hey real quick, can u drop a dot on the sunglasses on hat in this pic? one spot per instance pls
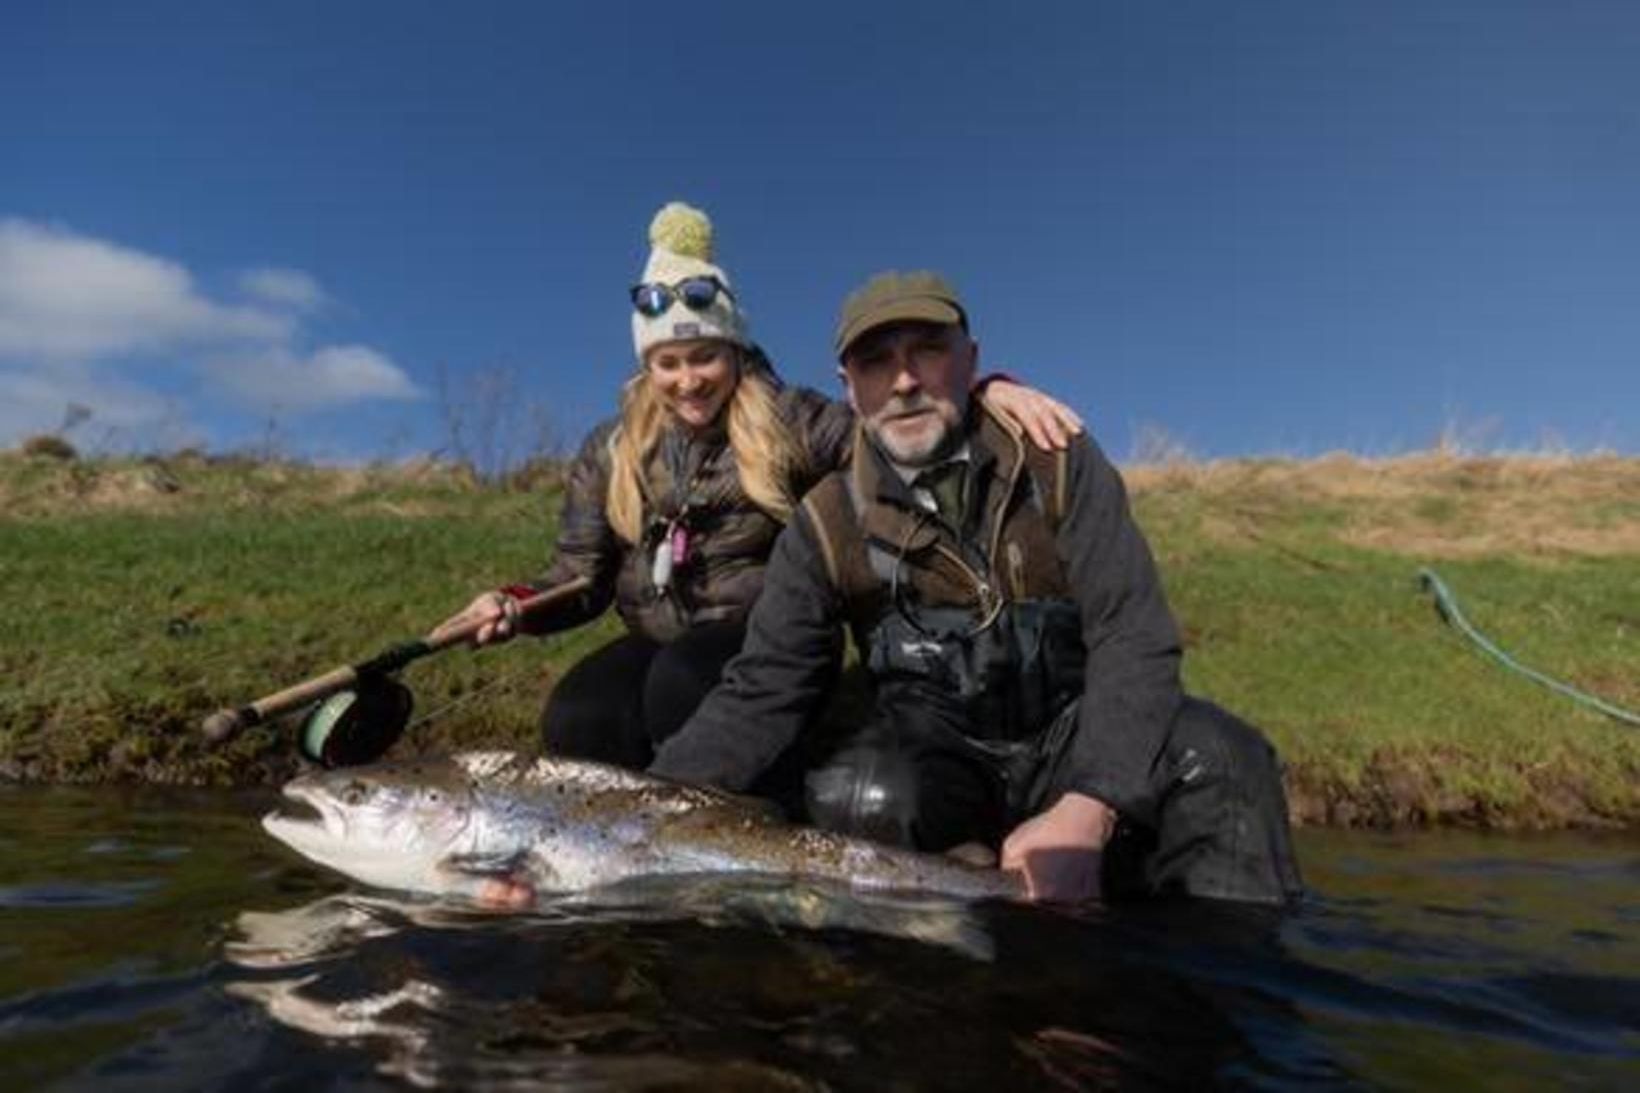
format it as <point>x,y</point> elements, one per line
<point>697,293</point>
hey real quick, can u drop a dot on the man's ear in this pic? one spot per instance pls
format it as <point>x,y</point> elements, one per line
<point>848,389</point>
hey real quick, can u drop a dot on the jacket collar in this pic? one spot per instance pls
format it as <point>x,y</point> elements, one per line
<point>686,466</point>
<point>891,515</point>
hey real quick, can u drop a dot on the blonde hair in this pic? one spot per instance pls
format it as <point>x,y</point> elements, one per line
<point>766,459</point>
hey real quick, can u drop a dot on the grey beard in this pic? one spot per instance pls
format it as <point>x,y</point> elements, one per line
<point>948,443</point>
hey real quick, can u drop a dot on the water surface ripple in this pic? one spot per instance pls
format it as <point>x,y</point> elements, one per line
<point>158,940</point>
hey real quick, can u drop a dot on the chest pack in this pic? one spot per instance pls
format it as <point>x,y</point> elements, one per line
<point>983,617</point>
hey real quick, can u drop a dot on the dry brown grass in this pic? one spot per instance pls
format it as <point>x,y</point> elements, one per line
<point>132,489</point>
<point>82,486</point>
<point>164,485</point>
<point>1436,504</point>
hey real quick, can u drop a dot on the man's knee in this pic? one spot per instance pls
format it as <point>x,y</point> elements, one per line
<point>927,794</point>
<point>1224,830</point>
<point>1209,742</point>
<point>869,789</point>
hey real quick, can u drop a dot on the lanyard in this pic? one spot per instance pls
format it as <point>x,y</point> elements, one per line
<point>689,464</point>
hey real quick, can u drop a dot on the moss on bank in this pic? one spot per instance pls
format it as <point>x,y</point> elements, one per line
<point>141,595</point>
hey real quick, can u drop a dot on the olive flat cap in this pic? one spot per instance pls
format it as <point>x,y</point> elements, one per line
<point>894,297</point>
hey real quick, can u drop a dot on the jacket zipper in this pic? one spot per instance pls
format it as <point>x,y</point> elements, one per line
<point>986,592</point>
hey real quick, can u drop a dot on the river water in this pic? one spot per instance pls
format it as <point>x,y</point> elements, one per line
<point>159,940</point>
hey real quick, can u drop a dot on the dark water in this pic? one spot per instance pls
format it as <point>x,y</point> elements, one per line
<point>161,941</point>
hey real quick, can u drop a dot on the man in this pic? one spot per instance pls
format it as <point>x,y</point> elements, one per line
<point>1024,658</point>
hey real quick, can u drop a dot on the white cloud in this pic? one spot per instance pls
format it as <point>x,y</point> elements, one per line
<point>65,296</point>
<point>89,321</point>
<point>283,288</point>
<point>334,375</point>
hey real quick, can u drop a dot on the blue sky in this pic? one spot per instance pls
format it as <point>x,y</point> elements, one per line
<point>1277,227</point>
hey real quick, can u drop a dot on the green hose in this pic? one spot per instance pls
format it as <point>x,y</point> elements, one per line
<point>1447,605</point>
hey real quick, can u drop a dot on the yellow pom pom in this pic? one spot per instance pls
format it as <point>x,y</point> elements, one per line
<point>682,229</point>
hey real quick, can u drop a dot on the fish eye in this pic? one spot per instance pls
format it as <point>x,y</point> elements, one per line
<point>355,792</point>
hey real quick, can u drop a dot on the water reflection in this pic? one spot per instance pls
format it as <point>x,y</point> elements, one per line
<point>642,991</point>
<point>153,940</point>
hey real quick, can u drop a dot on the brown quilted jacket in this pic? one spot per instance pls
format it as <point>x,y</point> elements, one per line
<point>729,537</point>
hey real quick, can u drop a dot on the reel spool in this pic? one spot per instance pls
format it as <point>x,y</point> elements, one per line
<point>358,725</point>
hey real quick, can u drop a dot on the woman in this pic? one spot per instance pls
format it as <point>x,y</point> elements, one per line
<point>672,508</point>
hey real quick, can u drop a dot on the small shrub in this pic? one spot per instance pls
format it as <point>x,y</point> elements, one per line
<point>49,446</point>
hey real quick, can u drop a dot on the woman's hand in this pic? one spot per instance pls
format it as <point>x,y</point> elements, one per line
<point>495,613</point>
<point>1048,422</point>
<point>1059,851</point>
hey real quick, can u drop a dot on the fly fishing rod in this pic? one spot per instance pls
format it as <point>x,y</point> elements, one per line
<point>362,709</point>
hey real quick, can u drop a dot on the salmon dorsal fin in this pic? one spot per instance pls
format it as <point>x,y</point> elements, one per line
<point>491,766</point>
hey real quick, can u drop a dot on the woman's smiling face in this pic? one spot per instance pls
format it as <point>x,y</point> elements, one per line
<point>694,379</point>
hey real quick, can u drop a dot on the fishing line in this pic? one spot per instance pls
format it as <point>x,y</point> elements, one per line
<point>505,680</point>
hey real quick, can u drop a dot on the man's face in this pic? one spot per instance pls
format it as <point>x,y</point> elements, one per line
<point>909,383</point>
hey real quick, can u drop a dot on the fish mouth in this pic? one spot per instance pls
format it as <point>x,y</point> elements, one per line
<point>300,817</point>
<point>298,809</point>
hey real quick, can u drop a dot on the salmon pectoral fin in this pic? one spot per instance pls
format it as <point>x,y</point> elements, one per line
<point>483,865</point>
<point>495,882</point>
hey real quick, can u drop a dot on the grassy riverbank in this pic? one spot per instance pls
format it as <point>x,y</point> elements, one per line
<point>141,595</point>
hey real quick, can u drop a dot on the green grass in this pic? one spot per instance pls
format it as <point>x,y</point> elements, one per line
<point>1383,713</point>
<point>133,615</point>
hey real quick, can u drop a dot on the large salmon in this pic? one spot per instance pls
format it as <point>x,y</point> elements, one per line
<point>446,826</point>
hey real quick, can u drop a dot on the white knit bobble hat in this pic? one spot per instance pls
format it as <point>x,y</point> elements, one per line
<point>681,238</point>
